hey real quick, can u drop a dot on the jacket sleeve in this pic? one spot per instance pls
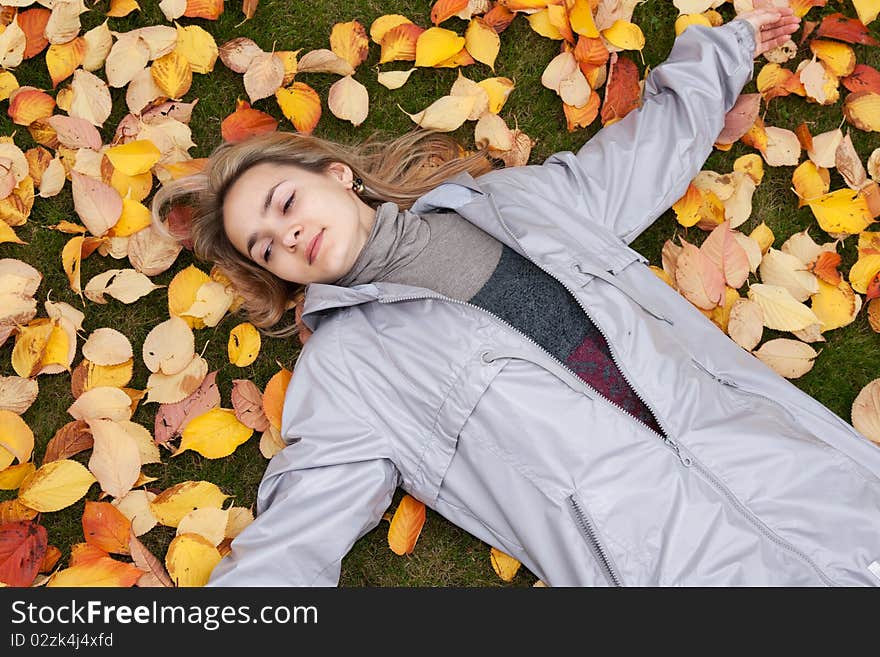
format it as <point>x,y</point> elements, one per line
<point>327,488</point>
<point>307,522</point>
<point>633,170</point>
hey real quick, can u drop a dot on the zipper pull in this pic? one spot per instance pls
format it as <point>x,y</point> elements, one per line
<point>685,459</point>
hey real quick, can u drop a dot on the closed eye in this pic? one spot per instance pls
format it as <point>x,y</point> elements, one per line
<point>287,205</point>
<point>267,253</point>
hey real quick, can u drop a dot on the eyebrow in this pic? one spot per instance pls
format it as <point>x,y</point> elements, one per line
<point>253,238</point>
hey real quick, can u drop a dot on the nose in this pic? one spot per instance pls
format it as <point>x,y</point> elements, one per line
<point>292,236</point>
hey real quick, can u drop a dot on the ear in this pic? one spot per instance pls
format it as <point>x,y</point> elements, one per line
<point>341,171</point>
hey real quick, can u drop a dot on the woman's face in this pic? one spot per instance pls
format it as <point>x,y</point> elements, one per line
<point>303,227</point>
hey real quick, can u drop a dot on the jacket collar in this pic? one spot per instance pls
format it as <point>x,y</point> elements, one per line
<point>320,297</point>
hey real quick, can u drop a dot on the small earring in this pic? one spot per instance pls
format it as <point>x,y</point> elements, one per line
<point>357,185</point>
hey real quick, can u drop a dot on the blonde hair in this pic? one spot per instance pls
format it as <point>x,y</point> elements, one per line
<point>398,170</point>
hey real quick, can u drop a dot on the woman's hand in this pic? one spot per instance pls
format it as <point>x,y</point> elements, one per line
<point>773,26</point>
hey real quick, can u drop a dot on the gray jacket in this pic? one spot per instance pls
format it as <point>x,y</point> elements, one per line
<point>757,483</point>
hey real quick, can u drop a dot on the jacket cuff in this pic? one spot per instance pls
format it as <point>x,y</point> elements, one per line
<point>745,35</point>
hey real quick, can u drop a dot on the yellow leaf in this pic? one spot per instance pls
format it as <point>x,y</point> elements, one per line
<point>581,17</point>
<point>212,301</point>
<point>62,59</point>
<point>349,41</point>
<point>30,345</point>
<point>12,477</point>
<point>114,376</point>
<point>71,258</point>
<point>172,73</point>
<point>381,25</point>
<point>172,504</point>
<point>839,57</point>
<point>16,439</point>
<point>57,348</point>
<point>782,311</point>
<point>498,90</point>
<point>445,114</point>
<point>135,157</point>
<point>482,42</point>
<point>208,523</point>
<point>406,525</point>
<point>686,20</point>
<point>864,271</point>
<point>687,208</point>
<point>834,305</point>
<point>842,211</point>
<point>182,293</point>
<point>214,434</point>
<point>763,236</point>
<point>540,23</point>
<point>102,571</point>
<point>866,10</point>
<point>244,344</point>
<point>624,34</point>
<point>504,565</point>
<point>55,486</point>
<point>437,44</point>
<point>751,164</point>
<point>8,235</point>
<point>119,8</point>
<point>190,560</point>
<point>810,182</point>
<point>136,187</point>
<point>301,105</point>
<point>135,216</point>
<point>198,46</point>
<point>8,84</point>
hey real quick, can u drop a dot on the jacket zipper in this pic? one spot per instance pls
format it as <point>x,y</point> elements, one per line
<point>589,533</point>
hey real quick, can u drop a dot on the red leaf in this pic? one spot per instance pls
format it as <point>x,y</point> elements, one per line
<point>863,78</point>
<point>23,545</point>
<point>247,400</point>
<point>172,418</point>
<point>837,26</point>
<point>178,221</point>
<point>622,91</point>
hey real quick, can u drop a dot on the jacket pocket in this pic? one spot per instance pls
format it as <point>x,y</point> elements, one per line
<point>459,401</point>
<point>590,534</point>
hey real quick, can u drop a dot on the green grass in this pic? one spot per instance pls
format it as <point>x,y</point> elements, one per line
<point>444,555</point>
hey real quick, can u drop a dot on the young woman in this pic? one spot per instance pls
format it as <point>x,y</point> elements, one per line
<point>488,341</point>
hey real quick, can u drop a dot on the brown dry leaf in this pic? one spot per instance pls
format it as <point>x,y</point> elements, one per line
<point>151,253</point>
<point>324,61</point>
<point>170,389</point>
<point>116,459</point>
<point>348,100</point>
<point>135,505</point>
<point>237,54</point>
<point>171,419</point>
<point>746,323</point>
<point>169,347</point>
<point>264,76</point>
<point>247,401</point>
<point>155,574</point>
<point>788,358</point>
<point>866,411</point>
<point>17,393</point>
<point>698,279</point>
<point>104,402</point>
<point>271,442</point>
<point>71,439</point>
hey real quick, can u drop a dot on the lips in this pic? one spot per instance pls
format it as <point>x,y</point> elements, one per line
<point>314,245</point>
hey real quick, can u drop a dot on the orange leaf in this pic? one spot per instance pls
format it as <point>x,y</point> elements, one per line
<point>804,136</point>
<point>837,26</point>
<point>406,525</point>
<point>446,9</point>
<point>33,24</point>
<point>273,396</point>
<point>27,104</point>
<point>81,553</point>
<point>581,117</point>
<point>103,571</point>
<point>120,8</point>
<point>590,50</point>
<point>863,78</point>
<point>756,136</point>
<point>249,8</point>
<point>210,9</point>
<point>23,545</point>
<point>13,510</point>
<point>350,42</point>
<point>801,7</point>
<point>53,554</point>
<point>105,527</point>
<point>399,43</point>
<point>622,91</point>
<point>825,267</point>
<point>499,17</point>
<point>246,122</point>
